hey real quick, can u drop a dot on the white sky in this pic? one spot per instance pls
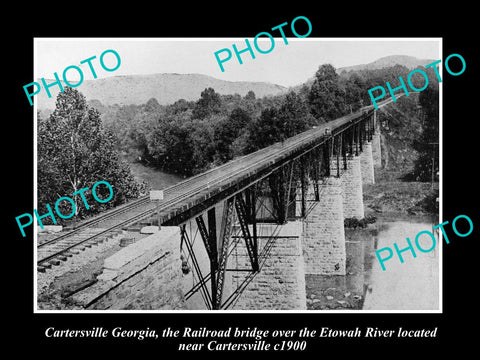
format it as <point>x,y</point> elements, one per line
<point>287,64</point>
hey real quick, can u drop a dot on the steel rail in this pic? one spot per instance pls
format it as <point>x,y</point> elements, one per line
<point>170,202</point>
<point>254,160</point>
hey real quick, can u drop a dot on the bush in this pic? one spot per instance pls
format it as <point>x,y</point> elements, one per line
<point>353,223</point>
<point>430,203</point>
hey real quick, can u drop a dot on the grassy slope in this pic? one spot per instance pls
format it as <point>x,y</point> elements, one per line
<point>390,195</point>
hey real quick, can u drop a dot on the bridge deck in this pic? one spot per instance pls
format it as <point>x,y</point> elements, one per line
<point>196,194</point>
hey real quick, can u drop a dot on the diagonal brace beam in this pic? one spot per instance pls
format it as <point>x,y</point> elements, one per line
<point>242,218</point>
<point>225,233</point>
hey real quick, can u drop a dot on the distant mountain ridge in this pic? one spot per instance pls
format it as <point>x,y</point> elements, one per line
<point>409,62</point>
<point>170,87</point>
<point>166,88</point>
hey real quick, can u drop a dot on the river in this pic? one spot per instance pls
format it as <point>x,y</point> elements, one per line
<point>156,179</point>
<point>413,285</point>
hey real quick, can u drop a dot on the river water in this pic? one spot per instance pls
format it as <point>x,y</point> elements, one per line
<point>156,179</point>
<point>413,285</point>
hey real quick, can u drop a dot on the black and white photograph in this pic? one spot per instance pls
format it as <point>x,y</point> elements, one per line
<point>224,190</point>
<point>214,181</point>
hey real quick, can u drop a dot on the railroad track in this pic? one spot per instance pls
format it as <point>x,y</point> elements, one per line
<point>54,251</point>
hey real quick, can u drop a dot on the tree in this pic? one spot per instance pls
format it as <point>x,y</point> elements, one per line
<point>181,105</point>
<point>152,105</point>
<point>226,131</point>
<point>294,116</point>
<point>327,98</point>
<point>171,149</point>
<point>119,120</point>
<point>74,152</point>
<point>354,87</point>
<point>265,131</point>
<point>208,104</point>
<point>250,95</point>
<point>201,135</point>
<point>426,165</point>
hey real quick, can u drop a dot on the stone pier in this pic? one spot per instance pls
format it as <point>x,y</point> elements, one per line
<point>323,232</point>
<point>366,164</point>
<point>280,284</point>
<point>352,192</point>
<point>377,150</point>
<point>376,142</point>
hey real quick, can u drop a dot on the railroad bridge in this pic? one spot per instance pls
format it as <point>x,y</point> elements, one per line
<point>245,234</point>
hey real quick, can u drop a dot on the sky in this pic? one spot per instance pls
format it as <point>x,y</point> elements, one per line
<point>287,64</point>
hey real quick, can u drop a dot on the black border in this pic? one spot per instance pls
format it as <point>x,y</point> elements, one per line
<point>226,20</point>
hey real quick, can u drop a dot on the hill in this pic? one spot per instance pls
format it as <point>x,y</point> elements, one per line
<point>409,62</point>
<point>166,88</point>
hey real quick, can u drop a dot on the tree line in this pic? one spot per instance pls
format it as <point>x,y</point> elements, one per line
<point>189,137</point>
<point>79,145</point>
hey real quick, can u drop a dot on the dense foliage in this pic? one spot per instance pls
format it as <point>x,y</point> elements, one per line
<point>427,145</point>
<point>74,152</point>
<point>80,144</point>
<point>189,137</point>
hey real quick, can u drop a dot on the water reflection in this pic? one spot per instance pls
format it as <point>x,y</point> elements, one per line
<point>413,285</point>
